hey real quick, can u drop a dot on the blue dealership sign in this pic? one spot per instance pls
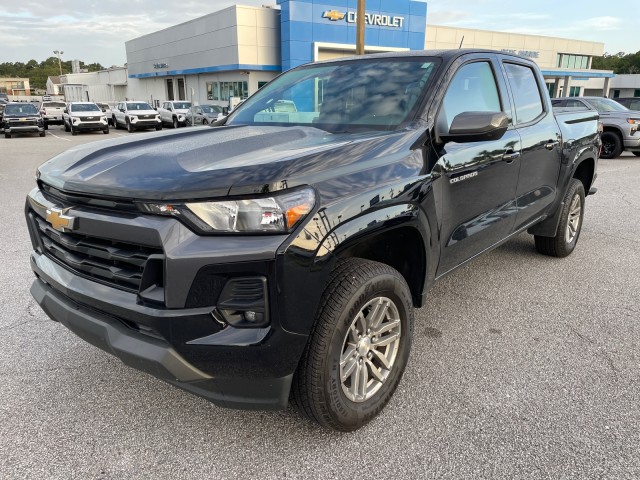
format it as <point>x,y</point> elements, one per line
<point>388,23</point>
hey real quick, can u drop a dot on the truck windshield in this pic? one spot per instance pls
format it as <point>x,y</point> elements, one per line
<point>606,105</point>
<point>181,105</point>
<point>138,106</point>
<point>371,94</point>
<point>211,108</point>
<point>85,107</point>
<point>26,109</point>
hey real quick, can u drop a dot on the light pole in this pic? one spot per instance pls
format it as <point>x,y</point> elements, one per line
<point>58,53</point>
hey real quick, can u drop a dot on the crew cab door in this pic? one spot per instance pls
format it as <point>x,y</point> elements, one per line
<point>477,180</point>
<point>541,141</point>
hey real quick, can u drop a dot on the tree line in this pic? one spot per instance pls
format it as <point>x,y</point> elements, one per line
<point>37,73</point>
<point>620,62</point>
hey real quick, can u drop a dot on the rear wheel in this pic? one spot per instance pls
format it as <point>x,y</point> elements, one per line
<point>359,346</point>
<point>204,122</point>
<point>570,224</point>
<point>611,145</point>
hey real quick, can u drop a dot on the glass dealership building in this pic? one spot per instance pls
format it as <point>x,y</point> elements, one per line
<point>234,51</point>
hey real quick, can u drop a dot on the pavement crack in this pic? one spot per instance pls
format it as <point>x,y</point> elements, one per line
<point>600,351</point>
<point>580,335</point>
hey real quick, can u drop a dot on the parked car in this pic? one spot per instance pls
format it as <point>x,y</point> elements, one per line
<point>135,115</point>
<point>620,125</point>
<point>106,109</point>
<point>204,114</point>
<point>84,116</point>
<point>174,113</point>
<point>22,118</point>
<point>632,103</point>
<point>52,113</point>
<point>2,104</point>
<point>279,255</point>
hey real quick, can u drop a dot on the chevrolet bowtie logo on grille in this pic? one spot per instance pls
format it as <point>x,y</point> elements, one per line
<point>333,15</point>
<point>59,221</point>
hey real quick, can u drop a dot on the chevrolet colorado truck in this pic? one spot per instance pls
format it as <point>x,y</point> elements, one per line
<point>84,116</point>
<point>281,254</point>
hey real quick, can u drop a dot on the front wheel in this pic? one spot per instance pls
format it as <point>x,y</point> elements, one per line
<point>570,224</point>
<point>115,124</point>
<point>359,346</point>
<point>74,131</point>
<point>611,145</point>
<point>175,122</point>
<point>130,127</point>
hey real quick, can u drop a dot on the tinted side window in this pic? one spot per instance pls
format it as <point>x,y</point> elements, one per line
<point>634,105</point>
<point>473,89</point>
<point>526,94</point>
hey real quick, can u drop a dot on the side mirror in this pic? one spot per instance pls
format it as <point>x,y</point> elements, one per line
<point>66,111</point>
<point>477,127</point>
<point>121,109</point>
<point>225,110</point>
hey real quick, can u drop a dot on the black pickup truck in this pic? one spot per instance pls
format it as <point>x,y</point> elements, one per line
<point>281,254</point>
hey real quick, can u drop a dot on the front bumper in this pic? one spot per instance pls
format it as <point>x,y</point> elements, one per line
<point>632,143</point>
<point>53,120</point>
<point>175,338</point>
<point>88,126</point>
<point>23,129</point>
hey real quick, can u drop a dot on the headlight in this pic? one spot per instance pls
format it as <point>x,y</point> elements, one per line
<point>276,214</point>
<point>634,121</point>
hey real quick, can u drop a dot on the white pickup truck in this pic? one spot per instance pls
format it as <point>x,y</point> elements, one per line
<point>174,113</point>
<point>135,115</point>
<point>52,113</point>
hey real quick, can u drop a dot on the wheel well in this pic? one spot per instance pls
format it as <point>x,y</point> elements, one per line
<point>613,130</point>
<point>584,173</point>
<point>401,248</point>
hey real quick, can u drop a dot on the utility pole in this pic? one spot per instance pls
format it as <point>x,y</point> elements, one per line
<point>58,53</point>
<point>360,28</point>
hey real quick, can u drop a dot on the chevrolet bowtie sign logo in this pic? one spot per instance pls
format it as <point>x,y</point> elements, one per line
<point>369,18</point>
<point>60,221</point>
<point>333,15</point>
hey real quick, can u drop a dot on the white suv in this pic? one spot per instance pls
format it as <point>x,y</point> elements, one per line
<point>83,116</point>
<point>134,115</point>
<point>174,113</point>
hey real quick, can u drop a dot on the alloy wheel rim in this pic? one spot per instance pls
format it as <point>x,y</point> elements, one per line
<point>573,223</point>
<point>370,349</point>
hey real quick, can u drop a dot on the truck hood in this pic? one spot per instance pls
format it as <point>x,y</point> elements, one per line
<point>215,162</point>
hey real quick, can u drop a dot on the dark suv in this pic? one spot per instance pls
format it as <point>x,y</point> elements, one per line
<point>22,118</point>
<point>632,103</point>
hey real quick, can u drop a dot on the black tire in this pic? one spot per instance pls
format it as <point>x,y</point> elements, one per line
<point>317,389</point>
<point>130,127</point>
<point>563,244</point>
<point>7,135</point>
<point>106,131</point>
<point>159,127</point>
<point>204,122</point>
<point>175,122</point>
<point>66,127</point>
<point>115,123</point>
<point>73,130</point>
<point>637,154</point>
<point>43,133</point>
<point>611,145</point>
<point>46,126</point>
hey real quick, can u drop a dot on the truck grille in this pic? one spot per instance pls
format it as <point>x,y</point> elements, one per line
<point>14,122</point>
<point>117,264</point>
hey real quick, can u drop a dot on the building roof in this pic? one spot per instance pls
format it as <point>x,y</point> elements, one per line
<point>55,79</point>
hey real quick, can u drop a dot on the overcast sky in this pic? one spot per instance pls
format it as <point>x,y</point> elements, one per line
<point>95,31</point>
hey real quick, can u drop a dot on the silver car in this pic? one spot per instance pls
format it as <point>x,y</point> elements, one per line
<point>204,114</point>
<point>620,124</point>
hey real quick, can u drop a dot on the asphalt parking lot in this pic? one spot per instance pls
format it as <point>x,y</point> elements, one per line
<point>523,366</point>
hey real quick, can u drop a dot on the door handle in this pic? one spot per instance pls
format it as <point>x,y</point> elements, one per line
<point>550,145</point>
<point>509,156</point>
